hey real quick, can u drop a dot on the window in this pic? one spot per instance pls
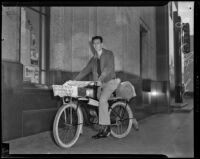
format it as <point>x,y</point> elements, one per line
<point>170,9</point>
<point>34,44</point>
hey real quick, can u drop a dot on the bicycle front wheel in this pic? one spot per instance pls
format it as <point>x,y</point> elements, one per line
<point>67,125</point>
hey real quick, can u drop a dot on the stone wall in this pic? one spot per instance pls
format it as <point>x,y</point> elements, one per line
<point>73,27</point>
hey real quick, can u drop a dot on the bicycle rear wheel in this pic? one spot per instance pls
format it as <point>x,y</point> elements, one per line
<point>67,125</point>
<point>121,118</point>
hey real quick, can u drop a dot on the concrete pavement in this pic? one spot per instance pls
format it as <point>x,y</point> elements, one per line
<point>168,134</point>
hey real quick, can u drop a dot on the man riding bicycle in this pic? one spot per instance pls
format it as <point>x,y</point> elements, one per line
<point>102,66</point>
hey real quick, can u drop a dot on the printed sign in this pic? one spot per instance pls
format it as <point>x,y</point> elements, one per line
<point>61,90</point>
<point>31,74</point>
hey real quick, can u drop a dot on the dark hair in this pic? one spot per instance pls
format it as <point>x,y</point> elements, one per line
<point>97,37</point>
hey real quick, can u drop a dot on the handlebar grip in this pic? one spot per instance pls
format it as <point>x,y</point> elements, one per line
<point>95,83</point>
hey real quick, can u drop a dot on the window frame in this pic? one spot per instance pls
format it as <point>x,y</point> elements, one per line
<point>46,45</point>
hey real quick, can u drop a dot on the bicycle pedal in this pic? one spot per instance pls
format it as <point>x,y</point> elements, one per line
<point>108,134</point>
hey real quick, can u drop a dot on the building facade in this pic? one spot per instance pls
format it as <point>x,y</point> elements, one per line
<point>42,46</point>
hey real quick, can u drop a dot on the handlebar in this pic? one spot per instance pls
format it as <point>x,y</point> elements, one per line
<point>96,83</point>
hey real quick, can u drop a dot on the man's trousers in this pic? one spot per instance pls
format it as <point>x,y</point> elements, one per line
<point>107,90</point>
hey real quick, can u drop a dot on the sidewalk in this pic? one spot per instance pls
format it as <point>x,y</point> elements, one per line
<point>168,134</point>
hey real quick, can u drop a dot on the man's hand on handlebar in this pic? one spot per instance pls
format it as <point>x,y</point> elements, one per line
<point>98,83</point>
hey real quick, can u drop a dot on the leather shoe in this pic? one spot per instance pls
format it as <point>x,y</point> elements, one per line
<point>107,131</point>
<point>99,135</point>
<point>103,133</point>
<point>135,125</point>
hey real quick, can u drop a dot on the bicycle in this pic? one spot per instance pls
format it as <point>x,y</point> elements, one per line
<point>83,95</point>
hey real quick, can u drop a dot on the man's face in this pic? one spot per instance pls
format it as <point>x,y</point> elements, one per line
<point>97,44</point>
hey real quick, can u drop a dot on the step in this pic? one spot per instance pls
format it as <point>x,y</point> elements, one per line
<point>178,105</point>
<point>185,109</point>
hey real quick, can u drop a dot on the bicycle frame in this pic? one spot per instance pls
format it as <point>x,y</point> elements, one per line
<point>92,104</point>
<point>77,110</point>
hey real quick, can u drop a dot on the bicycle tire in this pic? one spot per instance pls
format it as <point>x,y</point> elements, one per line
<point>127,108</point>
<point>56,124</point>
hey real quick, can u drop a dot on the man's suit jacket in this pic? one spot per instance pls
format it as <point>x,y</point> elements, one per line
<point>107,66</point>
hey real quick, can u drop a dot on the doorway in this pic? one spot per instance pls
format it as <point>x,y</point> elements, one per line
<point>146,83</point>
<point>143,52</point>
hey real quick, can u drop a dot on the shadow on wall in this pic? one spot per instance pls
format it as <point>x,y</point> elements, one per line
<point>92,48</point>
<point>59,77</point>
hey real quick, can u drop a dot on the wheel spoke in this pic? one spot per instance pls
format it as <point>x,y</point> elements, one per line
<point>63,133</point>
<point>65,136</point>
<point>67,133</point>
<point>115,113</point>
<point>122,114</point>
<point>118,131</point>
<point>70,115</point>
<point>121,126</point>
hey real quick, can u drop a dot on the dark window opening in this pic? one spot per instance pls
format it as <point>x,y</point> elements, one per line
<point>34,44</point>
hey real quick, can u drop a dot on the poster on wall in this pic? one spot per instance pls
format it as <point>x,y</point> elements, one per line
<point>33,50</point>
<point>31,74</point>
<point>34,57</point>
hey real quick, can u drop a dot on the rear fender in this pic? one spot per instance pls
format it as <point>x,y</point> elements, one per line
<point>112,101</point>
